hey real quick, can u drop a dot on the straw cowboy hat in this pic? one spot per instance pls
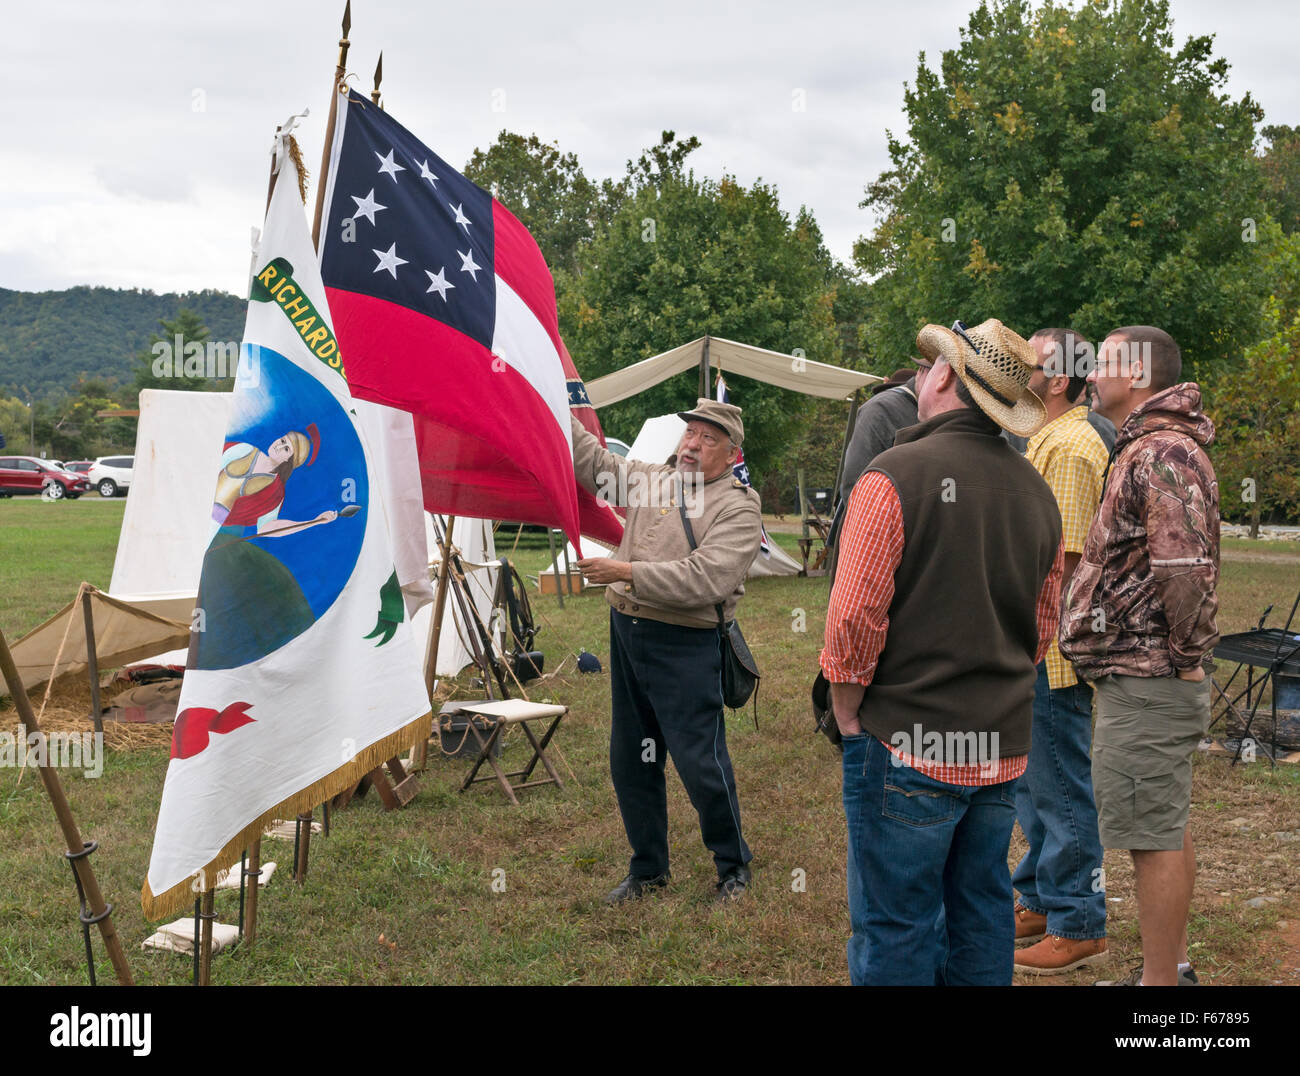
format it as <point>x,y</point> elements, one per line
<point>995,365</point>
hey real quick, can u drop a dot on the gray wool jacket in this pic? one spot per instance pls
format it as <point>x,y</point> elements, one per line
<point>670,583</point>
<point>879,419</point>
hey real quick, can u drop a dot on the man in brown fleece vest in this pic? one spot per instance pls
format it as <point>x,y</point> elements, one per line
<point>946,599</point>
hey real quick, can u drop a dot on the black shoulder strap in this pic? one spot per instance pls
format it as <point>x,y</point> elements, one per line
<point>690,538</point>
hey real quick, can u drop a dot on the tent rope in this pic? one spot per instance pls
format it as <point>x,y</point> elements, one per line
<point>54,673</point>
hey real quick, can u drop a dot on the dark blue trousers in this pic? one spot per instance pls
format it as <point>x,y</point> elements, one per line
<point>666,685</point>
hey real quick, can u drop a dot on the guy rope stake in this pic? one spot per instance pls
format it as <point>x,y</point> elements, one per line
<point>93,907</point>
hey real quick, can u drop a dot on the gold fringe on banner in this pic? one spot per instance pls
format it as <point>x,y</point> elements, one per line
<point>295,153</point>
<point>183,893</point>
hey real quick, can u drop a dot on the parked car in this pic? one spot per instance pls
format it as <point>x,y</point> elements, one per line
<point>111,475</point>
<point>27,474</point>
<point>79,466</point>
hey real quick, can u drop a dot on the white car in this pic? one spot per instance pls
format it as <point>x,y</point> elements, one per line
<point>111,475</point>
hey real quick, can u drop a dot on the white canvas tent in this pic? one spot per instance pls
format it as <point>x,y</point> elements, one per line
<point>656,441</point>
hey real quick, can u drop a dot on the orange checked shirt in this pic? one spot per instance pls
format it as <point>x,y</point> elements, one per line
<point>857,621</point>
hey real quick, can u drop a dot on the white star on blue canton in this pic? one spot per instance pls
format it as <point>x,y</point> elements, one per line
<point>367,207</point>
<point>467,263</point>
<point>461,219</point>
<point>389,260</point>
<point>426,174</point>
<point>387,164</point>
<point>439,283</point>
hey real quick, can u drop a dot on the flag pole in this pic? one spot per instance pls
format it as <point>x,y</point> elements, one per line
<point>420,752</point>
<point>379,77</point>
<point>340,69</point>
<point>78,853</point>
<point>252,867</point>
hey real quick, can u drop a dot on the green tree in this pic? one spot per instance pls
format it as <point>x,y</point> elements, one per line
<point>683,257</point>
<point>1255,407</point>
<point>71,427</point>
<point>161,365</point>
<point>547,190</point>
<point>15,424</point>
<point>1281,167</point>
<point>1071,167</point>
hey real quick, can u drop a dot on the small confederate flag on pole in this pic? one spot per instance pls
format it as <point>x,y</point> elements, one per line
<point>444,307</point>
<point>741,470</point>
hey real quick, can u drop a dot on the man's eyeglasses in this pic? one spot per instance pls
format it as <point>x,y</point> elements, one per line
<point>709,440</point>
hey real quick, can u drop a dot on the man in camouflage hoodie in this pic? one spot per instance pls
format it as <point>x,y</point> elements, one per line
<point>1138,621</point>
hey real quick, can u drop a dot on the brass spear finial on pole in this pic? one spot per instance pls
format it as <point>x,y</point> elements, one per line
<point>340,70</point>
<point>379,77</point>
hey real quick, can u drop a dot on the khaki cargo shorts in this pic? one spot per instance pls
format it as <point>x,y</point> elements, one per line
<point>1146,732</point>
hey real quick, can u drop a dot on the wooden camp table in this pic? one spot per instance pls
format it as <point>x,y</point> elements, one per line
<point>498,716</point>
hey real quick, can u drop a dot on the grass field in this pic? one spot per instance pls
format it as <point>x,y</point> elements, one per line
<point>422,876</point>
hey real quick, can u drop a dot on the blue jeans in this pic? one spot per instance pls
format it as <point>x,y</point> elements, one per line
<point>919,848</point>
<point>1060,876</point>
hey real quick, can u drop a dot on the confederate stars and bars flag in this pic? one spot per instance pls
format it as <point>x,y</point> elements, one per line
<point>445,308</point>
<point>302,674</point>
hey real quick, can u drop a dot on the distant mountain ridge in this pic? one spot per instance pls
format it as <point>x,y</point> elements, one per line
<point>50,339</point>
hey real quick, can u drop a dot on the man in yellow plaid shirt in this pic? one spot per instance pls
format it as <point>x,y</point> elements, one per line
<point>1060,879</point>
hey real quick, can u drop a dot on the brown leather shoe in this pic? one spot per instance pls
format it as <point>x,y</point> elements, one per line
<point>1030,926</point>
<point>1054,955</point>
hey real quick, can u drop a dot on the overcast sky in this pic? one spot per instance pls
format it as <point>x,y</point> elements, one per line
<point>135,133</point>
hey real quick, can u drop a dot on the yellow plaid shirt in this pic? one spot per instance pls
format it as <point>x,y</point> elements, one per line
<point>1071,457</point>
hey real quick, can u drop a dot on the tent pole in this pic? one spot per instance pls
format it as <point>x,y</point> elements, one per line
<point>704,368</point>
<point>92,663</point>
<point>559,587</point>
<point>340,70</point>
<point>848,436</point>
<point>78,850</point>
<point>568,570</point>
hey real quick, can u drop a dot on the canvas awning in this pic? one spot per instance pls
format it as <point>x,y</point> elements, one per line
<point>773,367</point>
<point>126,629</point>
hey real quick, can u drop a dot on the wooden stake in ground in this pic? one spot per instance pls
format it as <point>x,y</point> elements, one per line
<point>100,912</point>
<point>206,915</point>
<point>252,872</point>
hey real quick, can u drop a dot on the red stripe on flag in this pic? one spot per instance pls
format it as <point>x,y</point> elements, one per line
<point>488,444</point>
<point>520,264</point>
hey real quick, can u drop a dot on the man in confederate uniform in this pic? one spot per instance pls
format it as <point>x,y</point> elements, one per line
<point>665,656</point>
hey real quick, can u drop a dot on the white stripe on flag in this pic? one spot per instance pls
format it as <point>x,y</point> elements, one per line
<point>525,346</point>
